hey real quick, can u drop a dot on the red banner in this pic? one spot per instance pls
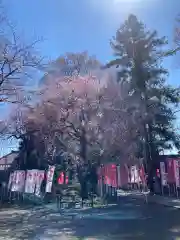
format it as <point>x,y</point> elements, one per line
<point>142,174</point>
<point>124,175</point>
<point>61,179</point>
<point>109,172</point>
<point>171,170</point>
<point>113,175</point>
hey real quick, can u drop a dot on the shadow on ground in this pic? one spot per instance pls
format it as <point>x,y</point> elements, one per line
<point>129,220</point>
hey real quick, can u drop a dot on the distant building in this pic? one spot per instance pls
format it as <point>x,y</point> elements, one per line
<point>7,163</point>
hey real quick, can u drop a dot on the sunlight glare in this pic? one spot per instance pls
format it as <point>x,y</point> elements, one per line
<point>128,5</point>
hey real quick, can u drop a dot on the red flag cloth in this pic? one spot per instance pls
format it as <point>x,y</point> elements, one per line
<point>170,170</point>
<point>123,175</point>
<point>114,175</point>
<point>61,179</point>
<point>173,171</point>
<point>142,174</point>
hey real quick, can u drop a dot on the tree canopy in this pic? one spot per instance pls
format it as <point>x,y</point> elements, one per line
<point>139,54</point>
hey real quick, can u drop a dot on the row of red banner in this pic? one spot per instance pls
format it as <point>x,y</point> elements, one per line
<point>30,181</point>
<point>118,176</point>
<point>169,172</point>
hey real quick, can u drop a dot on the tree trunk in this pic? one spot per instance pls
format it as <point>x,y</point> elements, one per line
<point>64,172</point>
<point>83,146</point>
<point>149,160</point>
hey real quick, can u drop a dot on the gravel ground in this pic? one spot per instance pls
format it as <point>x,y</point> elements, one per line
<point>132,219</point>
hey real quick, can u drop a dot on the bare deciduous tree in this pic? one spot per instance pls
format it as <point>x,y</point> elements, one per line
<point>17,61</point>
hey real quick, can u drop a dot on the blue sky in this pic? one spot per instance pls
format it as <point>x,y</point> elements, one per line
<point>78,25</point>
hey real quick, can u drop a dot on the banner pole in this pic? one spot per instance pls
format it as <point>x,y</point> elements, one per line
<point>177,195</point>
<point>162,190</point>
<point>169,190</point>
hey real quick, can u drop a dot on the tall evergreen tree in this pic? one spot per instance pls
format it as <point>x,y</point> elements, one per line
<point>139,54</point>
<point>29,153</point>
